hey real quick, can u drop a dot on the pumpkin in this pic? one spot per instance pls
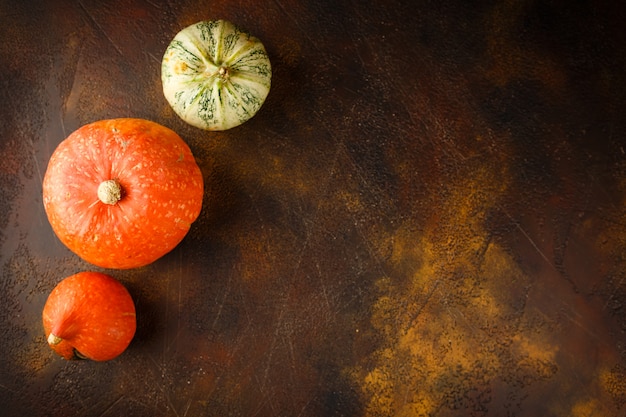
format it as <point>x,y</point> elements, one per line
<point>122,193</point>
<point>89,315</point>
<point>215,76</point>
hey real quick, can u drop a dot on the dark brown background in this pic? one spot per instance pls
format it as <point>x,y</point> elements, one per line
<point>426,218</point>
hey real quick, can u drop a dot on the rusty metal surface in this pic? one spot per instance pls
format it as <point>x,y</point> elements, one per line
<point>426,218</point>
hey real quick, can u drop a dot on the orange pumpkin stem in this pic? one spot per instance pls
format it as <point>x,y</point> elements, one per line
<point>54,339</point>
<point>110,192</point>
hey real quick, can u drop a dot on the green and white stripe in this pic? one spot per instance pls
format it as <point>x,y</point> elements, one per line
<point>215,76</point>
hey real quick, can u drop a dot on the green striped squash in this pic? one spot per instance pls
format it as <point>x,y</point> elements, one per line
<point>215,75</point>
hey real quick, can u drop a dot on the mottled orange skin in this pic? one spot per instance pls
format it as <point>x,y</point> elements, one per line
<point>161,197</point>
<point>93,314</point>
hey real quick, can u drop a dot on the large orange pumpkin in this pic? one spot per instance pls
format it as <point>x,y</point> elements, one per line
<point>121,193</point>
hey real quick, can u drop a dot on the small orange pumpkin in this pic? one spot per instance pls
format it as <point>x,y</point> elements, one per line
<point>89,315</point>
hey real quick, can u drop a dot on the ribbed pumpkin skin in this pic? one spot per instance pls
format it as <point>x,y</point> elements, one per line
<point>215,76</point>
<point>162,192</point>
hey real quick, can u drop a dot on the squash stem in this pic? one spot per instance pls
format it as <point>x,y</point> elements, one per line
<point>54,339</point>
<point>223,73</point>
<point>110,192</point>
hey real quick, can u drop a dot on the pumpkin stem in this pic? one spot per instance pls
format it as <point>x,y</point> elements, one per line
<point>54,339</point>
<point>223,73</point>
<point>110,192</point>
